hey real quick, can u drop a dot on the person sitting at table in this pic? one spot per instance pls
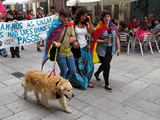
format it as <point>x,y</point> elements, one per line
<point>133,23</point>
<point>156,29</point>
<point>146,21</point>
<point>151,19</point>
<point>123,27</point>
<point>141,29</point>
<point>116,22</point>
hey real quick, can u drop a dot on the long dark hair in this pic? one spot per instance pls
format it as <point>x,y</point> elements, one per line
<point>78,14</point>
<point>143,25</point>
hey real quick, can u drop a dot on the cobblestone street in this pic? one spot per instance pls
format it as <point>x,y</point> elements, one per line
<point>135,81</point>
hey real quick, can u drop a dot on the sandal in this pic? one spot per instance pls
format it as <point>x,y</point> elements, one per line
<point>90,85</point>
<point>41,45</point>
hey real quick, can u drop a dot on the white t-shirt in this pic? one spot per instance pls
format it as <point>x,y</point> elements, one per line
<point>80,35</point>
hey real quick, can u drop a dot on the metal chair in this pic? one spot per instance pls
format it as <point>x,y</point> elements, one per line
<point>125,39</point>
<point>157,40</point>
<point>89,39</point>
<point>145,42</point>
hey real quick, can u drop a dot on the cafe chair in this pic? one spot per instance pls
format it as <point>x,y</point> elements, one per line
<point>146,41</point>
<point>125,39</point>
<point>89,39</point>
<point>156,40</point>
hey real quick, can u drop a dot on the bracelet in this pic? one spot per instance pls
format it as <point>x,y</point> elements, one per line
<point>57,43</point>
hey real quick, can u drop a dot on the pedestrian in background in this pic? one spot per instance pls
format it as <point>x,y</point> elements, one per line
<point>19,17</point>
<point>53,11</point>
<point>38,16</point>
<point>30,16</point>
<point>14,50</point>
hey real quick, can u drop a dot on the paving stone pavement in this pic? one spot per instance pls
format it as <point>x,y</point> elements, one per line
<point>135,81</point>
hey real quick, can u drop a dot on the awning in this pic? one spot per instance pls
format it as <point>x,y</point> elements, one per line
<point>8,2</point>
<point>38,0</point>
<point>127,1</point>
<point>94,2</point>
<point>82,2</point>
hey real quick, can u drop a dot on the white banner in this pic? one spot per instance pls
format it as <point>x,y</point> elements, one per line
<point>24,32</point>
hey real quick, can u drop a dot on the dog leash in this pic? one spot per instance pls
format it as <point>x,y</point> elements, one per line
<point>53,71</point>
<point>67,50</point>
<point>54,66</point>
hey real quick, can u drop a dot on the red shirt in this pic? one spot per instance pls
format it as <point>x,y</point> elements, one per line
<point>130,25</point>
<point>29,17</point>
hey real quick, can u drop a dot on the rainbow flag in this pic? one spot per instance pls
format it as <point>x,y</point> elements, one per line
<point>100,29</point>
<point>54,32</point>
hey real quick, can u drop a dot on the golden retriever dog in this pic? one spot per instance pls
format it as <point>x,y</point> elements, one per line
<point>54,87</point>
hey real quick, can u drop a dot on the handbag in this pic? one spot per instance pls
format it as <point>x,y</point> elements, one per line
<point>76,52</point>
<point>53,49</point>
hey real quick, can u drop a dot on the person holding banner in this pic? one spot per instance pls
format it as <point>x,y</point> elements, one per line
<point>31,16</point>
<point>19,17</point>
<point>61,34</point>
<point>38,16</point>
<point>2,51</point>
<point>9,16</point>
<point>107,38</point>
<point>14,51</point>
<point>53,11</point>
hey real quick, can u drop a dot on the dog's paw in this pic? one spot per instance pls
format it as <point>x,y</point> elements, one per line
<point>47,106</point>
<point>68,111</point>
<point>25,96</point>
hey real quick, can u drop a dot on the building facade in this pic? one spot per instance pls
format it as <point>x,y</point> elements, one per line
<point>144,8</point>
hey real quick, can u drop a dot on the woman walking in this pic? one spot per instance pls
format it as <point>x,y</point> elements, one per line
<point>107,38</point>
<point>61,35</point>
<point>84,65</point>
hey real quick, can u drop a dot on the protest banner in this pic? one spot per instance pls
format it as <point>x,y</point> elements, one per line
<point>24,32</point>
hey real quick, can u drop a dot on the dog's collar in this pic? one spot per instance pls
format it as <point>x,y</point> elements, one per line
<point>58,82</point>
<point>57,95</point>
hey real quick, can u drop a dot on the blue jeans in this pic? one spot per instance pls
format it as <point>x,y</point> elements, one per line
<point>65,63</point>
<point>4,51</point>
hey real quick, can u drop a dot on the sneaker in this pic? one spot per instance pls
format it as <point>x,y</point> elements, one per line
<point>97,77</point>
<point>18,56</point>
<point>0,53</point>
<point>107,87</point>
<point>13,56</point>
